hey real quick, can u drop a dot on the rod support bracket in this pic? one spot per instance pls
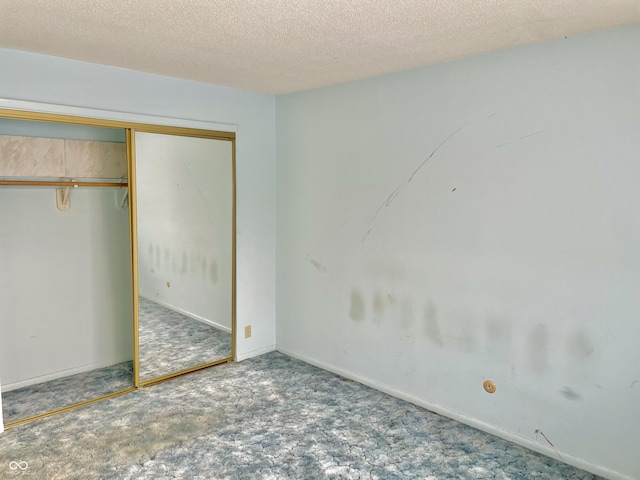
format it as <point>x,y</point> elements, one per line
<point>63,198</point>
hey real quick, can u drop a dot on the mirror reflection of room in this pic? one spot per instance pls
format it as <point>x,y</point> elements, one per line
<point>65,281</point>
<point>184,191</point>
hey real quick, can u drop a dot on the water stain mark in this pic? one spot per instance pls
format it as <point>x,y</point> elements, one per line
<point>634,383</point>
<point>539,349</point>
<point>406,314</point>
<point>379,305</point>
<point>185,263</point>
<point>213,272</point>
<point>465,340</point>
<point>357,309</point>
<point>579,346</point>
<point>432,325</point>
<point>498,331</point>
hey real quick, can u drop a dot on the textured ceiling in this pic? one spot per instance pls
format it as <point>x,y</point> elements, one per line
<point>281,46</point>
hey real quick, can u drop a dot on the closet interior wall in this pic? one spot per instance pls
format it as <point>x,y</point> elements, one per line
<point>65,282</point>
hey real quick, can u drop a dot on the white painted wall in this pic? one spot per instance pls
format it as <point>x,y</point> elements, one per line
<point>40,78</point>
<point>185,205</point>
<point>65,284</point>
<point>476,220</point>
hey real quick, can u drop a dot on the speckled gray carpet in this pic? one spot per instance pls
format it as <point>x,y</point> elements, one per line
<point>170,342</point>
<point>270,417</point>
<point>48,396</point>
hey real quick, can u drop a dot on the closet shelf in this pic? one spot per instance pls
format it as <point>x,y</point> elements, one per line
<point>45,183</point>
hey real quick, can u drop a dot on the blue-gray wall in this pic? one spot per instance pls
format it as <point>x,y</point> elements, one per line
<point>476,220</point>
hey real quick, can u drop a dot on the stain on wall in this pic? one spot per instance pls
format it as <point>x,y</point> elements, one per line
<point>579,346</point>
<point>317,265</point>
<point>465,340</point>
<point>357,309</point>
<point>431,324</point>
<point>570,394</point>
<point>498,334</point>
<point>379,306</point>
<point>185,263</point>
<point>213,272</point>
<point>539,349</point>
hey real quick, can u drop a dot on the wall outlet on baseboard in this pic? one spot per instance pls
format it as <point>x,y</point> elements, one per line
<point>247,331</point>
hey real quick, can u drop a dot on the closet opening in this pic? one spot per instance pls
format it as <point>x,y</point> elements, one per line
<point>65,312</point>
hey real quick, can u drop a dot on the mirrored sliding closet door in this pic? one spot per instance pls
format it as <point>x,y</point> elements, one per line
<point>184,239</point>
<point>65,282</point>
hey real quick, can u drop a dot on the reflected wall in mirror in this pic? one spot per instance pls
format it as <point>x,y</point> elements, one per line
<point>184,210</point>
<point>65,281</point>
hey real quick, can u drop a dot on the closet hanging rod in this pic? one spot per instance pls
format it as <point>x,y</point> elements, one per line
<point>44,183</point>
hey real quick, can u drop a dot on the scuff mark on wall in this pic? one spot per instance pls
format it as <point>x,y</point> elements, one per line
<point>434,151</point>
<point>570,394</point>
<point>318,266</point>
<point>532,134</point>
<point>392,196</point>
<point>521,138</point>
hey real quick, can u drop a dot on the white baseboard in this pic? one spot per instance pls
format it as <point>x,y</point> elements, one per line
<point>7,387</point>
<point>188,314</point>
<point>480,425</point>
<point>254,353</point>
